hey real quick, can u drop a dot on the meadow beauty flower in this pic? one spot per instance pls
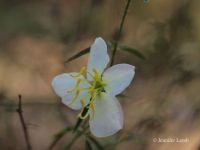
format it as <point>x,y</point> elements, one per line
<point>97,91</point>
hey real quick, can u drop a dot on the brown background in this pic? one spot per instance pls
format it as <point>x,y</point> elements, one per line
<point>36,37</point>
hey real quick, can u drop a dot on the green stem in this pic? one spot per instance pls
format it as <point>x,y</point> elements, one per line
<point>62,133</point>
<point>79,121</point>
<point>78,134</point>
<point>72,141</point>
<point>119,32</point>
<point>59,136</point>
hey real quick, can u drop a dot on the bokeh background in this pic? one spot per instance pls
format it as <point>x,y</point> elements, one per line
<point>37,36</point>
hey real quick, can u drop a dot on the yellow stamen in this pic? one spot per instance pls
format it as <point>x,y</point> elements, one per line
<point>95,71</point>
<point>80,114</point>
<point>75,97</point>
<point>96,85</point>
<point>93,96</point>
<point>82,108</point>
<point>84,117</point>
<point>83,89</point>
<point>76,86</point>
<point>79,73</point>
<point>93,111</point>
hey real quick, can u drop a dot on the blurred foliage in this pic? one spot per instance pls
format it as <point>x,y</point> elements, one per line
<point>21,19</point>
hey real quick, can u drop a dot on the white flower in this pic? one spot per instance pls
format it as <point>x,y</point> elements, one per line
<point>98,91</point>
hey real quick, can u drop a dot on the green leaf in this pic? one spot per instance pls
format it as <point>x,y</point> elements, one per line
<point>79,54</point>
<point>132,51</point>
<point>95,142</point>
<point>88,145</point>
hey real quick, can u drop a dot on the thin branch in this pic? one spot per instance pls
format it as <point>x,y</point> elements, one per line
<point>78,134</point>
<point>59,136</point>
<point>74,129</point>
<point>69,145</point>
<point>119,32</point>
<point>24,127</point>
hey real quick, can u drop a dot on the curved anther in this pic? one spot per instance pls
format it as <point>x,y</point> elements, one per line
<point>82,109</point>
<point>74,98</point>
<point>95,71</point>
<point>76,86</point>
<point>96,85</point>
<point>93,111</point>
<point>79,73</point>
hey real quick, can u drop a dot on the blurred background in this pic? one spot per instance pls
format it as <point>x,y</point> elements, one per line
<point>37,36</point>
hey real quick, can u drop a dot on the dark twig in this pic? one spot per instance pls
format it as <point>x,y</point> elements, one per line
<point>119,32</point>
<point>24,127</point>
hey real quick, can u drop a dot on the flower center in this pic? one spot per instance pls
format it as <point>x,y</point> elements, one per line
<point>97,84</point>
<point>96,87</point>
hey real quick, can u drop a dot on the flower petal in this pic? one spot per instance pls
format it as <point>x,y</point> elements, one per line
<point>108,116</point>
<point>118,78</point>
<point>98,57</point>
<point>65,82</point>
